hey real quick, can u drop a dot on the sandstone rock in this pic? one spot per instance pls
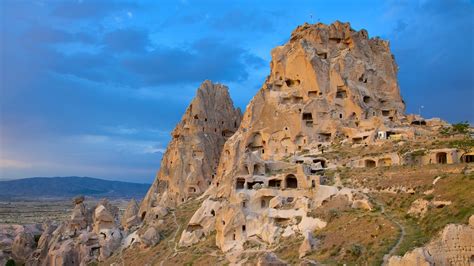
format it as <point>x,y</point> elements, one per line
<point>90,235</point>
<point>276,202</point>
<point>78,200</point>
<point>289,231</point>
<point>362,204</point>
<point>310,224</point>
<point>270,259</point>
<point>23,245</point>
<point>109,241</point>
<point>190,161</point>
<point>307,245</point>
<point>79,218</point>
<point>329,83</point>
<point>130,217</point>
<point>65,254</point>
<point>150,238</point>
<point>471,221</point>
<point>419,207</point>
<point>202,223</point>
<point>103,219</point>
<point>440,203</point>
<point>417,257</point>
<point>453,246</point>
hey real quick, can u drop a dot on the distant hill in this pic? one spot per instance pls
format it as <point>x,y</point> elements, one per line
<point>66,187</point>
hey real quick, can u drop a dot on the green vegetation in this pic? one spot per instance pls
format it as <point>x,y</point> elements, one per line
<point>453,187</point>
<point>463,144</point>
<point>461,128</point>
<point>10,262</point>
<point>356,250</point>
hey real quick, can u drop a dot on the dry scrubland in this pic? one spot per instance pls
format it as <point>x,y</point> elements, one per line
<point>43,210</point>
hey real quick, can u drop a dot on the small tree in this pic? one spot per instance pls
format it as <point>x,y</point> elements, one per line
<point>461,128</point>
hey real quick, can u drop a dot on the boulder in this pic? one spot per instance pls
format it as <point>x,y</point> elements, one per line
<point>109,241</point>
<point>151,237</point>
<point>23,245</point>
<point>362,204</point>
<point>307,245</point>
<point>417,257</point>
<point>452,246</point>
<point>419,208</point>
<point>130,217</point>
<point>270,259</point>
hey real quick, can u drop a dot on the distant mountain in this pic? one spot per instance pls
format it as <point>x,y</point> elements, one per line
<point>65,187</point>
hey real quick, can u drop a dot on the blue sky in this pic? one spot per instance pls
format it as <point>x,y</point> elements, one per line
<point>93,88</point>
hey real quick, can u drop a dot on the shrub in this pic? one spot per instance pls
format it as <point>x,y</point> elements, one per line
<point>10,262</point>
<point>429,197</point>
<point>461,128</point>
<point>356,250</point>
<point>333,213</point>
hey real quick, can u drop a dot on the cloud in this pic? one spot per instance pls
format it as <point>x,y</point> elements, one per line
<point>88,9</point>
<point>123,40</point>
<point>243,20</point>
<point>433,41</point>
<point>203,59</point>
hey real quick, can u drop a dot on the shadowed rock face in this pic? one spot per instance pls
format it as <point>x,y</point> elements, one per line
<point>190,161</point>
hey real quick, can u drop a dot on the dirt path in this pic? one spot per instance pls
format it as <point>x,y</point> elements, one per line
<point>173,239</point>
<point>402,233</point>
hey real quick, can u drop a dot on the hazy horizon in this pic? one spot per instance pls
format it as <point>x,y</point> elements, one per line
<point>72,176</point>
<point>95,88</point>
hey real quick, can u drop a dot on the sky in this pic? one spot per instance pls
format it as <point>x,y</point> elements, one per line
<point>94,88</point>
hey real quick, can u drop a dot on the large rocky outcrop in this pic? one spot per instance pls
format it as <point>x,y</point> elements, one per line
<point>190,161</point>
<point>328,84</point>
<point>90,235</point>
<point>453,246</point>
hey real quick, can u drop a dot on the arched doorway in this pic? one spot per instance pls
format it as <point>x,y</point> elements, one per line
<point>441,157</point>
<point>370,163</point>
<point>468,158</point>
<point>291,181</point>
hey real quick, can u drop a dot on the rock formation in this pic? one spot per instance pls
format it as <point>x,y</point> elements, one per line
<point>130,217</point>
<point>89,235</point>
<point>328,84</point>
<point>23,246</point>
<point>453,246</point>
<point>190,161</point>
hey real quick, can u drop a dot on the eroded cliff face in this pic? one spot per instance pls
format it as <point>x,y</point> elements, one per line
<point>190,161</point>
<point>328,84</point>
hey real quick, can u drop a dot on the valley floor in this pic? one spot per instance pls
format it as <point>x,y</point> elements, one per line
<point>42,210</point>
